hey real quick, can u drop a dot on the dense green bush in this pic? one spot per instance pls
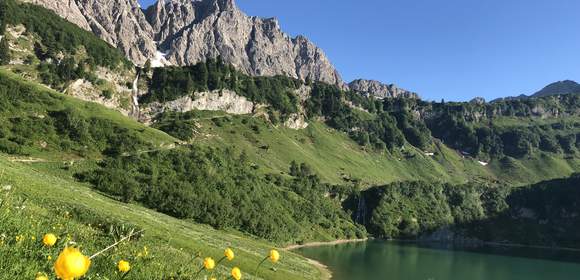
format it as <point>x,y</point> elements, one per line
<point>219,188</point>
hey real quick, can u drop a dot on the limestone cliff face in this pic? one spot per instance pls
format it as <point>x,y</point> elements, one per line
<point>191,31</point>
<point>121,23</point>
<point>380,90</point>
<point>68,9</point>
<point>217,100</point>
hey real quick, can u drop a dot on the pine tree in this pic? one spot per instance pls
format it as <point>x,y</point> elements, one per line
<point>294,169</point>
<point>3,9</point>
<point>4,52</point>
<point>147,66</point>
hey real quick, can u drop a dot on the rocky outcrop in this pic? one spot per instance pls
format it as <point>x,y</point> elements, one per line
<point>296,121</point>
<point>379,90</point>
<point>217,100</point>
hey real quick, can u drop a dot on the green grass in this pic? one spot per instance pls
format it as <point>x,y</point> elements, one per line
<point>49,100</point>
<point>335,157</point>
<point>39,202</point>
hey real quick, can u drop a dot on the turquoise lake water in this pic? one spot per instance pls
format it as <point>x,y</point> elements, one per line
<point>382,260</point>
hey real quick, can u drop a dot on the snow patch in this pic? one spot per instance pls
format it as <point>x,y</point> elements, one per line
<point>159,60</point>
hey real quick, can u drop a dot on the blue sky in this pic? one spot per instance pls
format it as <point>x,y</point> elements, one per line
<point>451,49</point>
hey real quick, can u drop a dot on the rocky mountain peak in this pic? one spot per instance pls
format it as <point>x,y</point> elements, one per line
<point>380,90</point>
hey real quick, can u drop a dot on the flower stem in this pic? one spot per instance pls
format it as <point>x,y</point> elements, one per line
<point>131,234</point>
<point>258,267</point>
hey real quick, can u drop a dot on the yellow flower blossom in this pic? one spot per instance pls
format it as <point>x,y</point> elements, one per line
<point>208,263</point>
<point>124,266</point>
<point>71,264</point>
<point>49,240</point>
<point>19,238</point>
<point>229,253</point>
<point>236,273</point>
<point>274,256</point>
<point>41,277</point>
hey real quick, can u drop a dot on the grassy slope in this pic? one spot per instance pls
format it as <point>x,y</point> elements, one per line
<point>88,110</point>
<point>335,156</point>
<point>171,241</point>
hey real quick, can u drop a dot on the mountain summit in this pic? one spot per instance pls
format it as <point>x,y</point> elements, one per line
<point>558,88</point>
<point>185,32</point>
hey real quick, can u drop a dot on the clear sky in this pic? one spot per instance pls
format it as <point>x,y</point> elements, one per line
<point>451,49</point>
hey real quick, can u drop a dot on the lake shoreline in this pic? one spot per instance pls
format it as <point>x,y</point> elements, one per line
<point>326,274</point>
<point>327,243</point>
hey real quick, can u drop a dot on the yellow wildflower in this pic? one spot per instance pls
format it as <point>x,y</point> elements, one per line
<point>236,273</point>
<point>274,256</point>
<point>41,277</point>
<point>19,238</point>
<point>49,240</point>
<point>124,266</point>
<point>208,263</point>
<point>71,264</point>
<point>229,253</point>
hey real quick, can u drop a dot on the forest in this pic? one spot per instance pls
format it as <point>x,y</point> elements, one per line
<point>545,213</point>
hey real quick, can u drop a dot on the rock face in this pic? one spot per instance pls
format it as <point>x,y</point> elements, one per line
<point>67,9</point>
<point>191,31</point>
<point>380,90</point>
<point>217,100</point>
<point>121,23</point>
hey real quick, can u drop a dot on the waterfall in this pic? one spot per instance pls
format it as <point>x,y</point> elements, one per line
<point>361,210</point>
<point>135,97</point>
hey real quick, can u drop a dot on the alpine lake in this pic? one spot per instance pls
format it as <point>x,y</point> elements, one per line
<point>383,260</point>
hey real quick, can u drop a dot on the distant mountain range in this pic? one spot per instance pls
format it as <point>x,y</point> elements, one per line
<point>557,88</point>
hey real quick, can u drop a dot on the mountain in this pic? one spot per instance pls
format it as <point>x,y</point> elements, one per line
<point>188,32</point>
<point>558,88</point>
<point>379,90</point>
<point>120,23</point>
